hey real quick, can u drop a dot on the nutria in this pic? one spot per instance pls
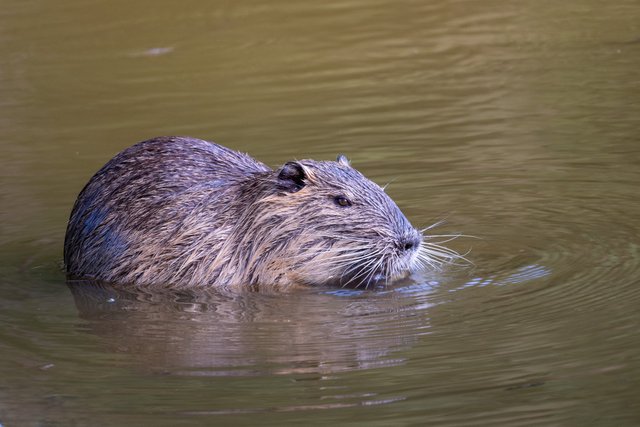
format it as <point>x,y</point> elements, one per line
<point>184,212</point>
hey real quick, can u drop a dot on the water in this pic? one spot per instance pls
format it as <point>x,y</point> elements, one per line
<point>515,121</point>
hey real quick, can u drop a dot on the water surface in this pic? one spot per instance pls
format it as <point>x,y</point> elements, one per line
<point>515,121</point>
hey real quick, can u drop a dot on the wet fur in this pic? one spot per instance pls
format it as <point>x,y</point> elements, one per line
<point>185,212</point>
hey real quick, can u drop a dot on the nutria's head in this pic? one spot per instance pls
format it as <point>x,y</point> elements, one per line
<point>322,223</point>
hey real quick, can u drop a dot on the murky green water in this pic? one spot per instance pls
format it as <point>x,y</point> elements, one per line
<point>516,121</point>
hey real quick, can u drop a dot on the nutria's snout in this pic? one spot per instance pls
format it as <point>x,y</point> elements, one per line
<point>410,242</point>
<point>185,212</point>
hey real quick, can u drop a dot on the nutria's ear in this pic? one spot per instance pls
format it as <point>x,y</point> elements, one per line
<point>342,159</point>
<point>292,177</point>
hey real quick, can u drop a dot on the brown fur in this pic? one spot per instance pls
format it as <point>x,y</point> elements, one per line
<point>184,212</point>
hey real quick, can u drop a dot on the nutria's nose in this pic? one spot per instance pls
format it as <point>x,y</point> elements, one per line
<point>408,243</point>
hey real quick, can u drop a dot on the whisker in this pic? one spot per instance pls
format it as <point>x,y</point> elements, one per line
<point>372,273</point>
<point>436,254</point>
<point>360,271</point>
<point>434,225</point>
<point>371,256</point>
<point>456,235</point>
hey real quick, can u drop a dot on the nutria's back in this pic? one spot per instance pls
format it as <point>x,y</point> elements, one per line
<point>184,212</point>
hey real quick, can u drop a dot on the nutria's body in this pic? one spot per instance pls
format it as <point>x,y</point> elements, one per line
<point>186,212</point>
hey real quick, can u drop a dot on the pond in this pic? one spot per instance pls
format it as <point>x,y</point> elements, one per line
<point>514,122</point>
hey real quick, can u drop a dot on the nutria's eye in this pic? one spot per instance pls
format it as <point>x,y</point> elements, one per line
<point>342,201</point>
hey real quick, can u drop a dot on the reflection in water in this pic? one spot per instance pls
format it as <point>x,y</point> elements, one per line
<point>217,333</point>
<point>313,331</point>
